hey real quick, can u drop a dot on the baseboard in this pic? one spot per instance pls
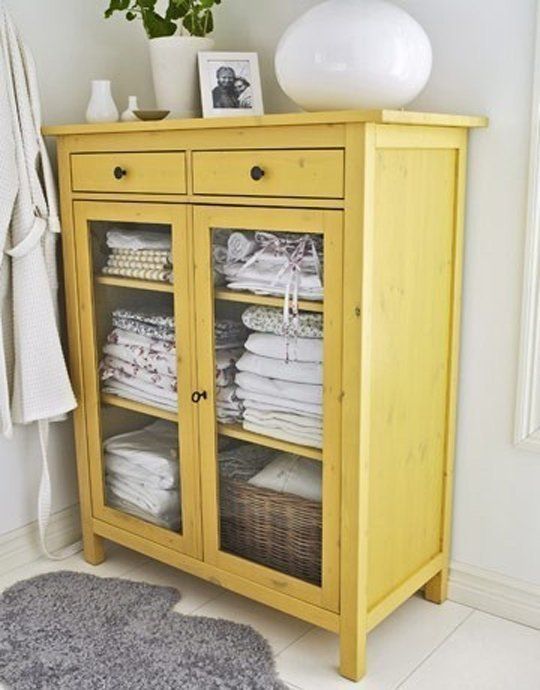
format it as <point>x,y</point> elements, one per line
<point>21,546</point>
<point>496,594</point>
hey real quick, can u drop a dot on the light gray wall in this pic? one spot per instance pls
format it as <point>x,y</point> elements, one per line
<point>482,64</point>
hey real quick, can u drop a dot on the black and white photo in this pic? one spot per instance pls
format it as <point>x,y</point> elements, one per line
<point>230,84</point>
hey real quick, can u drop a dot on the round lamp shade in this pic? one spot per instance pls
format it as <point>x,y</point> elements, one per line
<point>349,54</point>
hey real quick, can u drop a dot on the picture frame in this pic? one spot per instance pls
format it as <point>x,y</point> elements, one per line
<point>230,84</point>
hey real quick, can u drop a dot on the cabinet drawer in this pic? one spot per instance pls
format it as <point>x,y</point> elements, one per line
<point>291,173</point>
<point>144,173</point>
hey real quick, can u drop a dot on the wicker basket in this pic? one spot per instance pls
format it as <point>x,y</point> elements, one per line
<point>279,530</point>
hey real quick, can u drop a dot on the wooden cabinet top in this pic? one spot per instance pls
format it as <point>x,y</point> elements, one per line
<point>403,117</point>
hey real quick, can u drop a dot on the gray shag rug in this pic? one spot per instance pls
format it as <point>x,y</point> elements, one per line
<point>72,631</point>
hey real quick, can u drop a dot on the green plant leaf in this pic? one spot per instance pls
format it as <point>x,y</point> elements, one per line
<point>116,6</point>
<point>157,26</point>
<point>178,9</point>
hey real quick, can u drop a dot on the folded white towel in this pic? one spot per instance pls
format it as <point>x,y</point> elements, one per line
<point>286,420</point>
<point>292,474</point>
<point>239,247</point>
<point>304,439</point>
<point>123,390</point>
<point>138,239</point>
<point>171,521</point>
<point>299,372</point>
<point>142,474</point>
<point>261,401</point>
<point>280,347</point>
<point>304,392</point>
<point>158,502</point>
<point>154,446</point>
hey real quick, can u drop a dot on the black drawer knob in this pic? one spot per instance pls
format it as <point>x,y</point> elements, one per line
<point>197,396</point>
<point>256,173</point>
<point>119,172</point>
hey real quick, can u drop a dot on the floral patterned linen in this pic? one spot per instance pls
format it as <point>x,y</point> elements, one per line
<point>270,320</point>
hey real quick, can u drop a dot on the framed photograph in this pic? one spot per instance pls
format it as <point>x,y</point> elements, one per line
<point>230,84</point>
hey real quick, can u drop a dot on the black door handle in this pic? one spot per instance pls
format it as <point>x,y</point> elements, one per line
<point>119,172</point>
<point>257,173</point>
<point>196,396</point>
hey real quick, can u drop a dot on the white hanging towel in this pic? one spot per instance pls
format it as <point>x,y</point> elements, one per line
<point>34,382</point>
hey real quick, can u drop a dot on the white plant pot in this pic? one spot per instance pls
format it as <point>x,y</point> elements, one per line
<point>353,54</point>
<point>175,73</point>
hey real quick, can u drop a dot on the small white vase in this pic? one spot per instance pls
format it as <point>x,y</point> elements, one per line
<point>128,115</point>
<point>101,107</point>
<point>353,54</point>
<point>175,73</point>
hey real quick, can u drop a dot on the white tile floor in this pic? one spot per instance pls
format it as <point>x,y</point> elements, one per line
<point>420,647</point>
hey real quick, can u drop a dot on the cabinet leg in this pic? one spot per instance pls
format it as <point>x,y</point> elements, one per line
<point>353,656</point>
<point>93,548</point>
<point>436,590</point>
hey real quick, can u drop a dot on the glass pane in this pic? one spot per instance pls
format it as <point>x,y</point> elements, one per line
<point>136,345</point>
<point>269,396</point>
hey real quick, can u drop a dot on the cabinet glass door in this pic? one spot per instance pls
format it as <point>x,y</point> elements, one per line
<point>268,309</point>
<point>134,287</point>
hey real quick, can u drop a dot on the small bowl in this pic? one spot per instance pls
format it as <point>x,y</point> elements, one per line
<point>151,114</point>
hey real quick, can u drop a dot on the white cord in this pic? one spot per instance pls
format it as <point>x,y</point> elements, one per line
<point>44,500</point>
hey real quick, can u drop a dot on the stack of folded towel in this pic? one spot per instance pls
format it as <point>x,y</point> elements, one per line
<point>274,264</point>
<point>142,474</point>
<point>229,337</point>
<point>142,254</point>
<point>280,378</point>
<point>139,361</point>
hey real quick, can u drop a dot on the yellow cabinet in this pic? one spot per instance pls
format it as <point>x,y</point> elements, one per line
<point>370,207</point>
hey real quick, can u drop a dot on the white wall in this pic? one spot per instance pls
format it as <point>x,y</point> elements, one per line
<point>483,64</point>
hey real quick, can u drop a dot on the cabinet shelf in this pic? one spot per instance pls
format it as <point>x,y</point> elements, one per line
<point>126,404</point>
<point>236,431</point>
<point>134,284</point>
<point>264,300</point>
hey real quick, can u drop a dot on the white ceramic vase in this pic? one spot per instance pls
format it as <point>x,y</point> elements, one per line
<point>175,73</point>
<point>101,107</point>
<point>347,54</point>
<point>128,115</point>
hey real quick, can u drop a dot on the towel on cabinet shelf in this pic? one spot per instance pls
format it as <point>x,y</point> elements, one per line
<point>299,372</point>
<point>280,347</point>
<point>111,367</point>
<point>141,254</point>
<point>278,431</point>
<point>142,473</point>
<point>157,239</point>
<point>138,391</point>
<point>292,474</point>
<point>154,362</point>
<point>239,247</point>
<point>144,396</point>
<point>135,341</point>
<point>304,392</point>
<point>260,401</point>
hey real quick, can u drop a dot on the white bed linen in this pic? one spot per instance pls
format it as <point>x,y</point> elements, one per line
<point>280,347</point>
<point>298,372</point>
<point>303,392</point>
<point>292,474</point>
